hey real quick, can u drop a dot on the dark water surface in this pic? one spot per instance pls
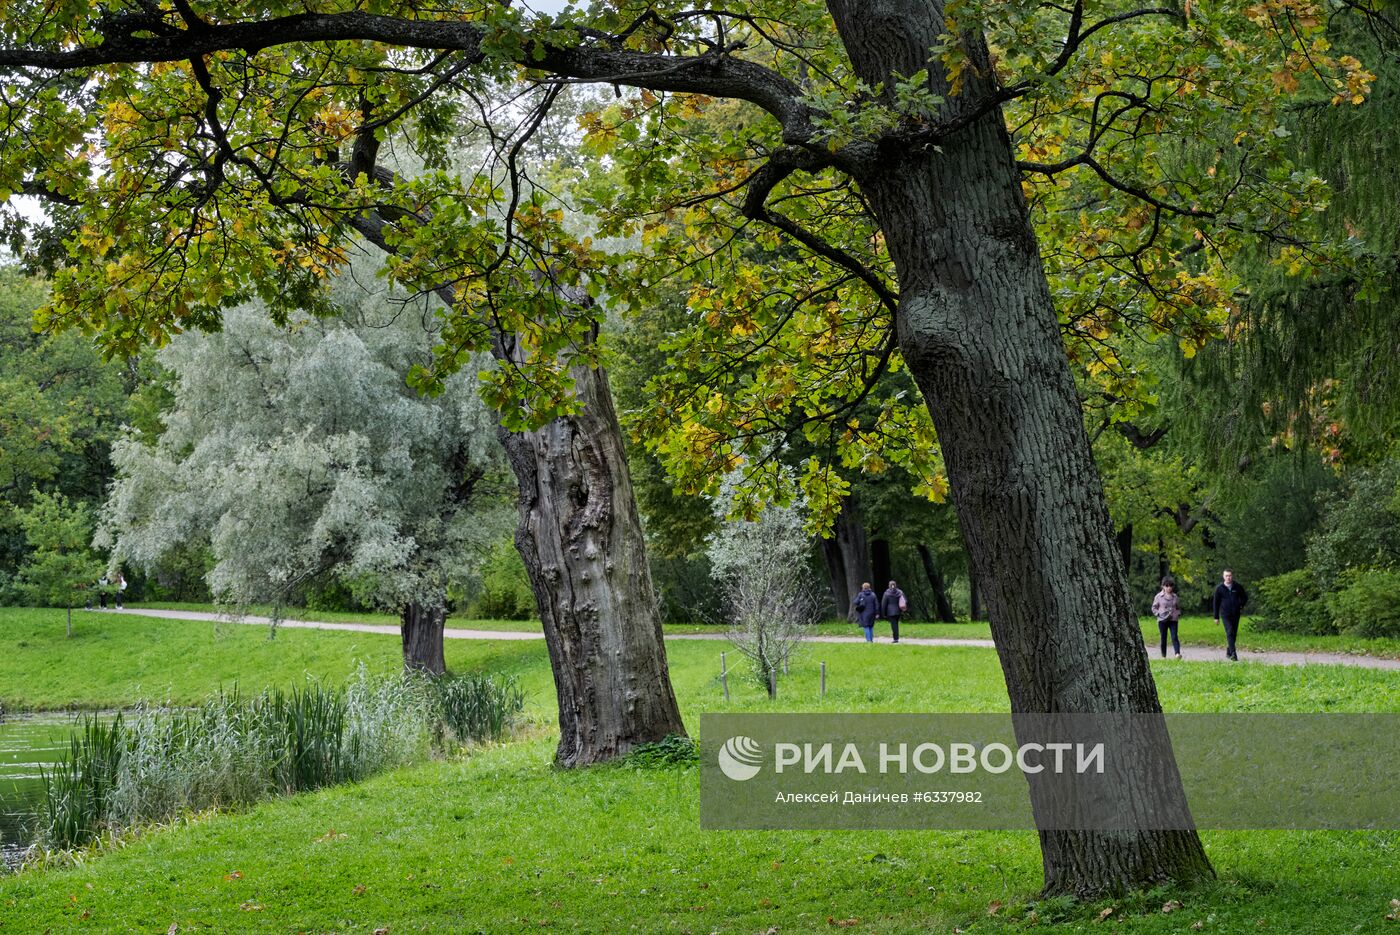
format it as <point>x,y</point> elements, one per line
<point>27,742</point>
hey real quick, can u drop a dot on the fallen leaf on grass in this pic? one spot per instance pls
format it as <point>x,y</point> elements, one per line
<point>1197,926</point>
<point>1106,913</point>
<point>251,906</point>
<point>383,931</point>
<point>330,835</point>
<point>235,875</point>
<point>841,923</point>
<point>994,907</point>
<point>174,928</point>
<point>359,890</point>
<point>1171,905</point>
<point>85,914</point>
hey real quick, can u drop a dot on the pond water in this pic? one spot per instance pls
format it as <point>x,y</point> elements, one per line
<point>27,742</point>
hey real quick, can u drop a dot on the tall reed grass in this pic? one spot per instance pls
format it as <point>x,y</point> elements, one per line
<point>152,764</point>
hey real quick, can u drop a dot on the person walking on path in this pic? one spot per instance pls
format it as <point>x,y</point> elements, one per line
<point>1166,607</point>
<point>121,588</point>
<point>1227,605</point>
<point>102,586</point>
<point>892,606</point>
<point>867,606</point>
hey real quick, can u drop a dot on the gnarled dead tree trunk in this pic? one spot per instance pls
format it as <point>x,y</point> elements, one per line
<point>581,540</point>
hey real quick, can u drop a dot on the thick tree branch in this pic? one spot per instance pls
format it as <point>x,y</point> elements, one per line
<point>136,38</point>
<point>781,165</point>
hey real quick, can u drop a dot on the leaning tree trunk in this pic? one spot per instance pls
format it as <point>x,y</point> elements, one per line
<point>942,607</point>
<point>581,540</point>
<point>422,629</point>
<point>978,330</point>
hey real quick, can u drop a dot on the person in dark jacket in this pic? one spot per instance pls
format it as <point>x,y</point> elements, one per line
<point>866,605</point>
<point>892,606</point>
<point>1228,604</point>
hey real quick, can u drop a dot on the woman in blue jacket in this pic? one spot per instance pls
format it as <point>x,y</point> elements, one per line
<point>866,604</point>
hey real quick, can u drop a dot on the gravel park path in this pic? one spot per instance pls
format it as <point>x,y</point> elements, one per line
<point>1188,653</point>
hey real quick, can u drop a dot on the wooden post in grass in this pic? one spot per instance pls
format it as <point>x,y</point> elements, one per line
<point>823,680</point>
<point>724,676</point>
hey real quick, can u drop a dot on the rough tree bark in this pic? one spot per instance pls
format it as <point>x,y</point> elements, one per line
<point>942,607</point>
<point>977,327</point>
<point>421,628</point>
<point>581,540</point>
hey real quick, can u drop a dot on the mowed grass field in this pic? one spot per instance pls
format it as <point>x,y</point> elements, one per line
<point>500,841</point>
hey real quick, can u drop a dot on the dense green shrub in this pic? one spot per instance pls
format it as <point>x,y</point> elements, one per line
<point>505,588</point>
<point>1293,603</point>
<point>1361,524</point>
<point>1368,604</point>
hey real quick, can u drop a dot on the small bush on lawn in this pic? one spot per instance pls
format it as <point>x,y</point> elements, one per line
<point>674,751</point>
<point>1368,604</point>
<point>1293,603</point>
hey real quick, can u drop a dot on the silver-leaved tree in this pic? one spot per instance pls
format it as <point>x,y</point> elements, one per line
<point>299,452</point>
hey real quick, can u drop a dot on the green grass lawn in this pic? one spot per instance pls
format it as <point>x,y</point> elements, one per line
<point>500,841</point>
<point>1194,631</point>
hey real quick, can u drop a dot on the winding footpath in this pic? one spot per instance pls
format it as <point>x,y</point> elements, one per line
<point>1188,653</point>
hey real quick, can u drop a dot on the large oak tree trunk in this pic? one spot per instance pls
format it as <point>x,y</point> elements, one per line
<point>978,329</point>
<point>581,540</point>
<point>421,628</point>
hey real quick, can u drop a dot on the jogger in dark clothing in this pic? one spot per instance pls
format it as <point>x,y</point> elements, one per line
<point>1227,605</point>
<point>892,605</point>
